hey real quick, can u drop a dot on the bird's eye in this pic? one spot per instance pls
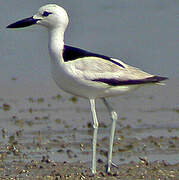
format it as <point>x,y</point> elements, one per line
<point>45,13</point>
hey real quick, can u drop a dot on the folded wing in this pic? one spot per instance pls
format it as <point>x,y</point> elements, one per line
<point>103,69</point>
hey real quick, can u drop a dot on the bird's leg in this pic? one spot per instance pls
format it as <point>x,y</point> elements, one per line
<point>113,116</point>
<point>95,126</point>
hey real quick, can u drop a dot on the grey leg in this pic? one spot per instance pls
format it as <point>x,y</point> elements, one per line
<point>113,116</point>
<point>95,126</point>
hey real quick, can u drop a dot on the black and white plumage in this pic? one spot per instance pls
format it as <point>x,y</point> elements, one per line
<point>71,54</point>
<point>86,74</point>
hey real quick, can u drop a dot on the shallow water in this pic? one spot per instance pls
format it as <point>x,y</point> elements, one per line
<point>38,119</point>
<point>59,125</point>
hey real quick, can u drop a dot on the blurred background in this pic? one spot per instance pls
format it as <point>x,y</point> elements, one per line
<point>143,33</point>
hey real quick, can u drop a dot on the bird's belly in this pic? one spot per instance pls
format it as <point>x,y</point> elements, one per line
<point>85,88</point>
<point>74,86</point>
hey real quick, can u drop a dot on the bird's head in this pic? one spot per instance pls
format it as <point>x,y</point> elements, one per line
<point>51,16</point>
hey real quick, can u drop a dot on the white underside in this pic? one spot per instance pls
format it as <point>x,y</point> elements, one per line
<point>76,77</point>
<point>85,88</point>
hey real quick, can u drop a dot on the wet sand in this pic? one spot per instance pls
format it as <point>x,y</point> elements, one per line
<point>47,169</point>
<point>48,135</point>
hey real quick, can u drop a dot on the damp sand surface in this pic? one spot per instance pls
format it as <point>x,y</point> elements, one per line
<point>48,135</point>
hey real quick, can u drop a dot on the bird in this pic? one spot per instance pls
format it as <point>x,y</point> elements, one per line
<point>84,73</point>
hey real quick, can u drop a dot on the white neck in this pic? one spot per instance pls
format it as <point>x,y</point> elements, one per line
<point>56,44</point>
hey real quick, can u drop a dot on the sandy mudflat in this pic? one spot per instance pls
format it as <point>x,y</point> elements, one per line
<point>46,169</point>
<point>48,136</point>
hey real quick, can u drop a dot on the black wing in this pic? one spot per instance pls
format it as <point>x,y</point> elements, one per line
<point>116,82</point>
<point>71,53</point>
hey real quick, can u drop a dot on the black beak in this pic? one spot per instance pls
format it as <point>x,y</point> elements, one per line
<point>23,23</point>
